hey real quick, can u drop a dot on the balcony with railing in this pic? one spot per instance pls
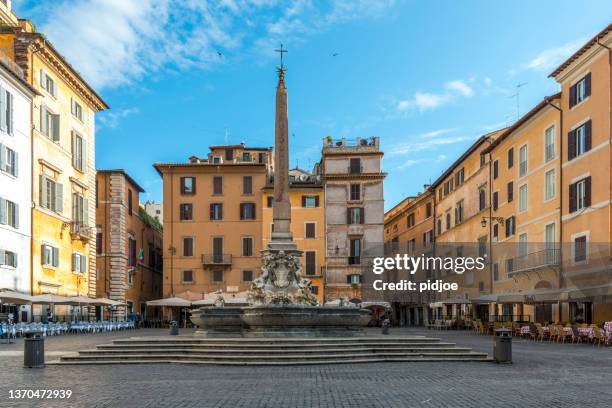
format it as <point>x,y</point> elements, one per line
<point>80,231</point>
<point>345,145</point>
<point>547,258</point>
<point>216,259</point>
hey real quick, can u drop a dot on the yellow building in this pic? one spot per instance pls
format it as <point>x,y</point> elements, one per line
<point>307,224</point>
<point>63,161</point>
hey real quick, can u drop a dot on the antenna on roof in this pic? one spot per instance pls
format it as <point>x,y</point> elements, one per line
<point>517,96</point>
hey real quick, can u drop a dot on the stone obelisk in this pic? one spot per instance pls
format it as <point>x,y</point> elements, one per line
<point>282,238</point>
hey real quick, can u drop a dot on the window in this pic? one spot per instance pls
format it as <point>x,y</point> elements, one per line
<point>448,187</point>
<point>217,185</point>
<point>523,160</point>
<point>49,255</point>
<point>523,246</point>
<point>216,160</point>
<point>510,226</point>
<point>247,185</point>
<point>310,230</point>
<point>49,124</point>
<point>247,246</point>
<point>580,90</point>
<point>355,192</point>
<point>186,211</point>
<point>130,202</point>
<point>579,140</point>
<point>510,191</point>
<point>51,194</point>
<point>6,111</point>
<point>188,276</point>
<point>310,263</point>
<point>523,192</point>
<point>217,243</point>
<point>495,231</point>
<point>229,155</point>
<point>495,272</point>
<point>509,265</point>
<point>482,246</point>
<point>132,252</point>
<point>353,279</point>
<point>9,213</point>
<point>411,246</point>
<point>511,157</point>
<point>218,275</point>
<point>355,215</point>
<point>8,258</point>
<point>495,169</point>
<point>79,263</point>
<point>310,201</point>
<point>187,246</point>
<point>76,109</point>
<point>247,276</point>
<point>80,209</point>
<point>247,211</point>
<point>459,213</point>
<point>216,211</point>
<point>483,160</point>
<point>482,199</point>
<point>354,165</point>
<point>314,289</point>
<point>428,237</point>
<point>580,248</point>
<point>459,177</point>
<point>270,200</point>
<point>99,243</point>
<point>448,220</point>
<point>410,220</point>
<point>549,143</point>
<point>580,194</point>
<point>549,184</point>
<point>246,156</point>
<point>355,252</point>
<point>47,83</point>
<point>439,226</point>
<point>428,210</point>
<point>188,185</point>
<point>261,157</point>
<point>8,160</point>
<point>495,200</point>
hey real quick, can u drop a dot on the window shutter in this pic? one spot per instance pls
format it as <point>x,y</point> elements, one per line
<point>587,192</point>
<point>348,216</point>
<point>316,201</point>
<point>44,124</point>
<point>16,214</point>
<point>83,263</point>
<point>572,96</point>
<point>211,215</point>
<point>85,211</point>
<point>55,256</point>
<point>3,108</point>
<point>16,165</point>
<point>587,136</point>
<point>59,198</point>
<point>2,156</point>
<point>362,218</point>
<point>2,257</point>
<point>303,201</point>
<point>348,278</point>
<point>43,77</point>
<point>495,169</point>
<point>74,262</point>
<point>587,84</point>
<point>9,113</point>
<point>56,127</point>
<point>42,254</point>
<point>571,145</point>
<point>43,192</point>
<point>242,211</point>
<point>73,149</point>
<point>3,210</point>
<point>572,197</point>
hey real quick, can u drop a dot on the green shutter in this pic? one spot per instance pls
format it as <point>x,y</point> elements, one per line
<point>3,212</point>
<point>2,257</point>
<point>16,165</point>
<point>55,256</point>
<point>74,262</point>
<point>3,108</point>
<point>85,211</point>
<point>84,158</point>
<point>83,263</point>
<point>55,119</point>
<point>43,192</point>
<point>9,112</point>
<point>44,122</point>
<point>73,149</point>
<point>59,198</point>
<point>2,156</point>
<point>16,215</point>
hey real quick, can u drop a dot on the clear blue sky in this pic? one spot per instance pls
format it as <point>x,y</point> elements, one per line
<point>427,77</point>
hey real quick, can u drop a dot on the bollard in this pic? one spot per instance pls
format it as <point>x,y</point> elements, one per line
<point>34,350</point>
<point>174,330</point>
<point>502,346</point>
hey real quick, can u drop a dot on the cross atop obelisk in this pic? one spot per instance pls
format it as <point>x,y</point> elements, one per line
<point>281,214</point>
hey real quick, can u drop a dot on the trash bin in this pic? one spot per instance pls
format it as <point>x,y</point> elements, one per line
<point>34,350</point>
<point>174,328</point>
<point>386,324</point>
<point>502,348</point>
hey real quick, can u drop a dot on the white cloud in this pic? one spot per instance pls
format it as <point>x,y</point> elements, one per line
<point>111,118</point>
<point>117,42</point>
<point>460,86</point>
<point>550,58</point>
<point>420,145</point>
<point>408,163</point>
<point>436,133</point>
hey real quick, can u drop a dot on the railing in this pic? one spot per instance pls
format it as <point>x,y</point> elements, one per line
<point>533,261</point>
<point>355,142</point>
<point>355,169</point>
<point>354,260</point>
<point>509,318</point>
<point>216,259</point>
<point>79,230</point>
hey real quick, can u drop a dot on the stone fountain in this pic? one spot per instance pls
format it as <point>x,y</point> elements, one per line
<point>281,302</point>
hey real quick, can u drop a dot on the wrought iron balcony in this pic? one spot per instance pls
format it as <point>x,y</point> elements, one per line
<point>546,258</point>
<point>216,259</point>
<point>80,231</point>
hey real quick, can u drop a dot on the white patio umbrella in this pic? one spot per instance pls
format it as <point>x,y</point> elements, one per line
<point>10,296</point>
<point>107,302</point>
<point>51,299</point>
<point>170,302</point>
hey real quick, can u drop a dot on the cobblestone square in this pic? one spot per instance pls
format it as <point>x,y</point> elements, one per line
<point>543,375</point>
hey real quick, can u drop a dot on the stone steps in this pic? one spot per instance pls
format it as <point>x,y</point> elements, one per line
<point>271,351</point>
